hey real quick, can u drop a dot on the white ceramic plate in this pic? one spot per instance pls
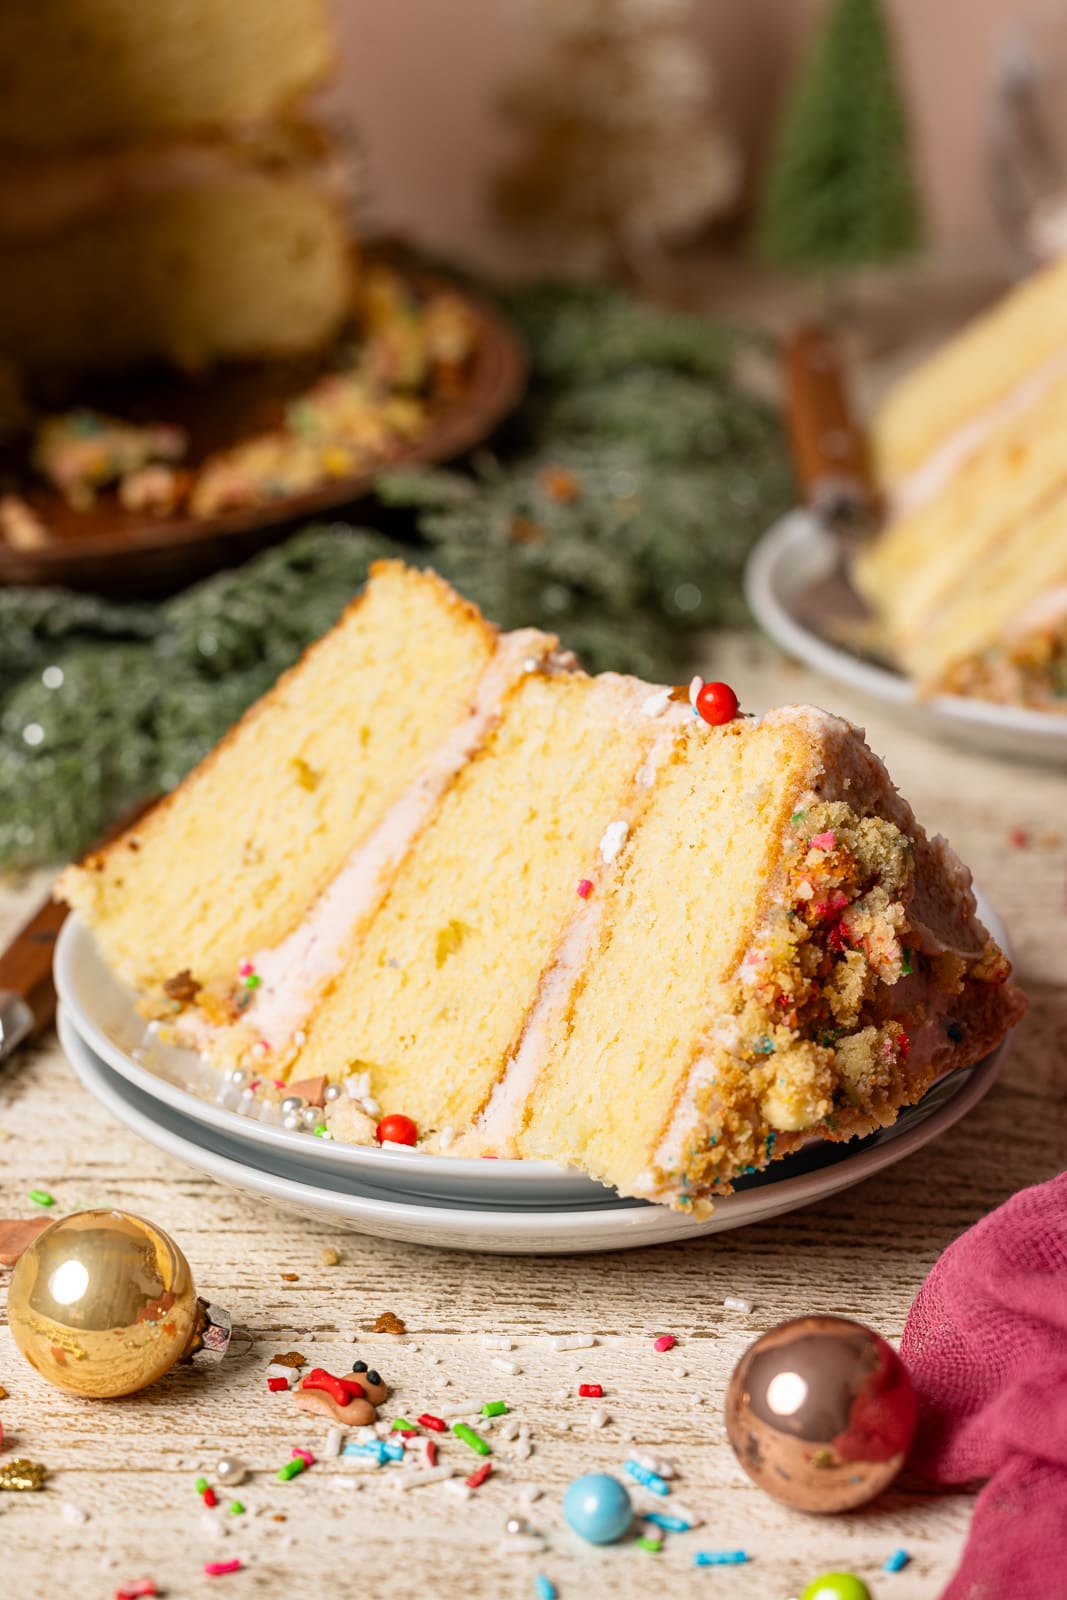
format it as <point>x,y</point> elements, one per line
<point>796,553</point>
<point>103,1013</point>
<point>344,1201</point>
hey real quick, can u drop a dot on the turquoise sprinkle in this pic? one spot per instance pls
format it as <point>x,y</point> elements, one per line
<point>642,1475</point>
<point>721,1558</point>
<point>896,1562</point>
<point>544,1588</point>
<point>668,1524</point>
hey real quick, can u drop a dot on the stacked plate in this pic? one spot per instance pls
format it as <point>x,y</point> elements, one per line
<point>797,593</point>
<point>173,1101</point>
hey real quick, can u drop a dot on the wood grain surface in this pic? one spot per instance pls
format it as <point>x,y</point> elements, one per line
<point>129,1466</point>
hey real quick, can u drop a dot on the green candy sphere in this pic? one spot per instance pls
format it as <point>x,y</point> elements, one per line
<point>836,1586</point>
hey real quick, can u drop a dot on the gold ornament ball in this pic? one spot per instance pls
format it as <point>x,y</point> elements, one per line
<point>103,1304</point>
<point>821,1413</point>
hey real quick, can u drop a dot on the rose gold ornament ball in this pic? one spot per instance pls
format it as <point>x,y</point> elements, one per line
<point>821,1413</point>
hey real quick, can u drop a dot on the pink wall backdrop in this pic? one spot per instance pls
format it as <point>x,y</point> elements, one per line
<point>421,78</point>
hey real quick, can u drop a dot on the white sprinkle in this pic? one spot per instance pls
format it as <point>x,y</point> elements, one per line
<point>413,1348</point>
<point>692,1517</point>
<point>613,839</point>
<point>344,1480</point>
<point>522,1444</point>
<point>509,1428</point>
<point>563,1394</point>
<point>334,1440</point>
<point>371,1106</point>
<point>445,1138</point>
<point>681,1372</point>
<point>694,689</point>
<point>495,1341</point>
<point>469,1408</point>
<point>734,1302</point>
<point>660,1465</point>
<point>72,1513</point>
<point>395,1144</point>
<point>435,1361</point>
<point>529,1492</point>
<point>414,1480</point>
<point>212,1525</point>
<point>502,1364</point>
<point>573,1341</point>
<point>357,1087</point>
<point>657,703</point>
<point>599,1418</point>
<point>281,1372</point>
<point>457,1487</point>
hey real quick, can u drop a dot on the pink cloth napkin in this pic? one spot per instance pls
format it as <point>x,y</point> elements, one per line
<point>986,1346</point>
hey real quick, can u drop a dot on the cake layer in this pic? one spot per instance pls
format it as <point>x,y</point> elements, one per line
<point>95,72</point>
<point>434,999</point>
<point>913,573</point>
<point>230,864</point>
<point>959,397</point>
<point>239,261</point>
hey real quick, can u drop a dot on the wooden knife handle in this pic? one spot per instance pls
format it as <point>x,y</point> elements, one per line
<point>26,964</point>
<point>828,448</point>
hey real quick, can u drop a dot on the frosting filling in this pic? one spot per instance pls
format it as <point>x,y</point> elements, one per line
<point>293,974</point>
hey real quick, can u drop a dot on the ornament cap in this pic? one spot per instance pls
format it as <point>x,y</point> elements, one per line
<point>214,1330</point>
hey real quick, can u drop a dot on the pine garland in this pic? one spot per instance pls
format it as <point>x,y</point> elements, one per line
<point>616,511</point>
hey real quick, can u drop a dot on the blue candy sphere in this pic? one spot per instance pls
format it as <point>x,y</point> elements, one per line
<point>598,1507</point>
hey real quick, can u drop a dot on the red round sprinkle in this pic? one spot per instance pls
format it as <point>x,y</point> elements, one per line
<point>397,1130</point>
<point>585,888</point>
<point>276,1385</point>
<point>591,1391</point>
<point>716,703</point>
<point>664,1342</point>
<point>210,1497</point>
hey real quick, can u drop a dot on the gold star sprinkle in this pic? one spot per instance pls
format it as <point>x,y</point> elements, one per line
<point>22,1474</point>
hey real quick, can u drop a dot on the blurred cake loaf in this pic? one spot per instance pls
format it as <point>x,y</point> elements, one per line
<point>969,578</point>
<point>160,197</point>
<point>549,915</point>
<point>85,73</point>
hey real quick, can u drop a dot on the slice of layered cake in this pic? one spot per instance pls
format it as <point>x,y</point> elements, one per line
<point>550,915</point>
<point>969,579</point>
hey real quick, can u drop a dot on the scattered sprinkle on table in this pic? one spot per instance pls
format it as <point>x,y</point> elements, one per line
<point>479,1475</point>
<point>291,1469</point>
<point>896,1562</point>
<point>496,1341</point>
<point>470,1438</point>
<point>734,1302</point>
<point>648,1480</point>
<point>276,1385</point>
<point>41,1197</point>
<point>289,1277</point>
<point>219,1569</point>
<point>573,1341</point>
<point>591,1391</point>
<point>666,1341</point>
<point>720,1558</point>
<point>648,1541</point>
<point>544,1588</point>
<point>288,1358</point>
<point>209,1497</point>
<point>330,1256</point>
<point>503,1364</point>
<point>494,1408</point>
<point>668,1524</point>
<point>427,1420</point>
<point>201,1485</point>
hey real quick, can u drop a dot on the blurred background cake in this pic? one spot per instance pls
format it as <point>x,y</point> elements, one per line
<point>162,196</point>
<point>969,579</point>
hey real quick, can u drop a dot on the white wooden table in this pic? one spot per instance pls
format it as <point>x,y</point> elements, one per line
<point>129,1466</point>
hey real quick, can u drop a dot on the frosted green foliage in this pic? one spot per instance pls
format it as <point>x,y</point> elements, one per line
<point>840,190</point>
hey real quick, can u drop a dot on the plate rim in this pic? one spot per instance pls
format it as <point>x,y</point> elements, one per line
<point>417,1172</point>
<point>799,529</point>
<point>635,1226</point>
